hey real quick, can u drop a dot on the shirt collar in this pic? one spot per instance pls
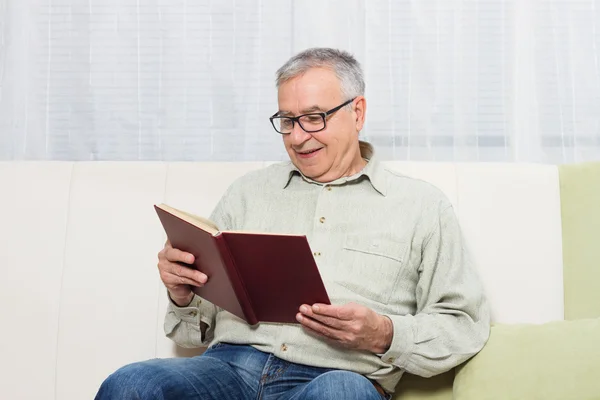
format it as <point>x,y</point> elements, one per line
<point>373,171</point>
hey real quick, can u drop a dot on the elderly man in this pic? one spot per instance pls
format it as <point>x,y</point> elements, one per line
<point>405,296</point>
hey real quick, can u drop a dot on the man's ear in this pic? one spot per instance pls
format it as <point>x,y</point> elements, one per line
<point>360,111</point>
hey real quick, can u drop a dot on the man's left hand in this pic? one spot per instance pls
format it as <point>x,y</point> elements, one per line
<point>351,325</point>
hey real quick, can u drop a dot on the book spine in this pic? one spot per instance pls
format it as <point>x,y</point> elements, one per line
<point>236,281</point>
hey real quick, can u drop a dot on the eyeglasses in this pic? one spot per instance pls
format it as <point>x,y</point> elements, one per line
<point>312,122</point>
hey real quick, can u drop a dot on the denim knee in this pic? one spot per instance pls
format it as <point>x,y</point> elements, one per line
<point>133,381</point>
<point>335,385</point>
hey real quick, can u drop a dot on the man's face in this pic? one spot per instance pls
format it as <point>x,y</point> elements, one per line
<point>318,90</point>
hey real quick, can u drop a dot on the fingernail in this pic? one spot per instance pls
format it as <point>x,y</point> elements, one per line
<point>299,317</point>
<point>316,308</point>
<point>304,309</point>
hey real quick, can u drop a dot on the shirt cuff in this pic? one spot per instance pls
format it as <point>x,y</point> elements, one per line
<point>193,313</point>
<point>403,342</point>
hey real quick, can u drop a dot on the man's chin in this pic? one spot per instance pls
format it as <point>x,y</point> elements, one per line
<point>309,171</point>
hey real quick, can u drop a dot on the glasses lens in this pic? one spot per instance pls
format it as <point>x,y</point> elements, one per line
<point>312,122</point>
<point>283,125</point>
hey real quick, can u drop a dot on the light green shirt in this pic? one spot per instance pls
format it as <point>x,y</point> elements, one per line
<point>381,239</point>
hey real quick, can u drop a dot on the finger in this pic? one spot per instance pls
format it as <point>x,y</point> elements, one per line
<point>172,275</point>
<point>324,319</point>
<point>319,328</point>
<point>174,280</point>
<point>174,268</point>
<point>345,312</point>
<point>163,252</point>
<point>176,255</point>
<point>306,310</point>
<point>187,272</point>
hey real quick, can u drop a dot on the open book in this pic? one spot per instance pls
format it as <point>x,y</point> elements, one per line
<point>260,277</point>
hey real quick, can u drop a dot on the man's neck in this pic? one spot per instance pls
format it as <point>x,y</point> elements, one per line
<point>345,169</point>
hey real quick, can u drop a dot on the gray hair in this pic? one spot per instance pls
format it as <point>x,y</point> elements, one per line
<point>345,66</point>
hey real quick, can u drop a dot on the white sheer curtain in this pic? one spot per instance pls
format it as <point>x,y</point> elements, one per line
<point>487,80</point>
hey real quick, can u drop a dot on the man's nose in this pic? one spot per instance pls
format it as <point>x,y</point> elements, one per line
<point>298,135</point>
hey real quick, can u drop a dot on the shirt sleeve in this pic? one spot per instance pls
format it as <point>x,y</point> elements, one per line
<point>452,321</point>
<point>193,325</point>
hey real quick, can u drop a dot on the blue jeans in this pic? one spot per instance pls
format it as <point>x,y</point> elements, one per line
<point>227,371</point>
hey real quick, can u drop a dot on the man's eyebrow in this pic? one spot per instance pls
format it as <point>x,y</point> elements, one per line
<point>311,109</point>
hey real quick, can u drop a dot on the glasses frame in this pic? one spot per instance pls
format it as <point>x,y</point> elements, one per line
<point>295,120</point>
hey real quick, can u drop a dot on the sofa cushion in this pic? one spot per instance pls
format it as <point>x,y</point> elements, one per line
<point>412,387</point>
<point>557,360</point>
<point>580,203</point>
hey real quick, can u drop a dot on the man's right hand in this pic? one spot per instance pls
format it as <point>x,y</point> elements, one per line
<point>178,278</point>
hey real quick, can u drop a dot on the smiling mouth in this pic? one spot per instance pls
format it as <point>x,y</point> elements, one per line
<point>308,151</point>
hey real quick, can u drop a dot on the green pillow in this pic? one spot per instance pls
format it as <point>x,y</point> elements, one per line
<point>580,213</point>
<point>412,387</point>
<point>553,361</point>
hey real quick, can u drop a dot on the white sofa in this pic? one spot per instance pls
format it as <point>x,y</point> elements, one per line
<point>78,243</point>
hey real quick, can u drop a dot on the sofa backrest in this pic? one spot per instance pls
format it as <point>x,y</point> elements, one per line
<point>79,242</point>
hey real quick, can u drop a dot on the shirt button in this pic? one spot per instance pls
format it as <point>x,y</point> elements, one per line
<point>329,188</point>
<point>193,313</point>
<point>283,347</point>
<point>322,220</point>
<point>390,360</point>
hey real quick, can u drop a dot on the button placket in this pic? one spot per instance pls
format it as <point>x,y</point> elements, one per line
<point>321,222</point>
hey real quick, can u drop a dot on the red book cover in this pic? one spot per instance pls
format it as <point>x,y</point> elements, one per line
<point>279,273</point>
<point>258,277</point>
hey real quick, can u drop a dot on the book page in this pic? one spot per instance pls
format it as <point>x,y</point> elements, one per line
<point>265,233</point>
<point>200,222</point>
<point>208,225</point>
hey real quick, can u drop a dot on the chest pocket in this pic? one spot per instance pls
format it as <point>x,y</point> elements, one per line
<point>372,265</point>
